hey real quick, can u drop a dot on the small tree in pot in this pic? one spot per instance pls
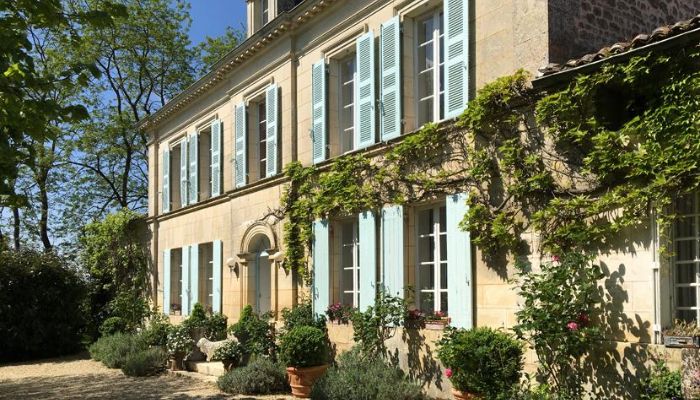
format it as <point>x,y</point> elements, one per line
<point>305,351</point>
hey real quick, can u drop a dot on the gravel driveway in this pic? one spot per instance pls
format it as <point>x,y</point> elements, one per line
<point>78,377</point>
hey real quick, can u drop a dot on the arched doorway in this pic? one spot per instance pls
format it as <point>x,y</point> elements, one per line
<point>260,283</point>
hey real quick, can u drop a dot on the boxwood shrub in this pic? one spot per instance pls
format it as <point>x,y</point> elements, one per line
<point>260,376</point>
<point>151,361</point>
<point>113,350</point>
<point>304,346</point>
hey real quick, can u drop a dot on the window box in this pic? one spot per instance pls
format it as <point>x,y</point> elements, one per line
<point>681,341</point>
<point>437,324</point>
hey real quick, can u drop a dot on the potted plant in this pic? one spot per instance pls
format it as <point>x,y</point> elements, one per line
<point>437,320</point>
<point>682,334</point>
<point>415,319</point>
<point>230,354</point>
<point>305,351</point>
<point>179,343</point>
<point>339,314</point>
<point>481,363</point>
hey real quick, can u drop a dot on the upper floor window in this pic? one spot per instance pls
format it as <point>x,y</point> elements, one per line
<point>347,103</point>
<point>264,12</point>
<point>686,258</point>
<point>430,67</point>
<point>177,197</point>
<point>432,259</point>
<point>262,139</point>
<point>257,137</point>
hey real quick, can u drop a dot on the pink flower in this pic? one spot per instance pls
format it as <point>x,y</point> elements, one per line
<point>573,326</point>
<point>448,372</point>
<point>555,258</point>
<point>583,319</point>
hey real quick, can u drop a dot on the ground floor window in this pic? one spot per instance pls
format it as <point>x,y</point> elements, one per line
<point>686,258</point>
<point>176,281</point>
<point>432,259</point>
<point>206,276</point>
<point>348,264</point>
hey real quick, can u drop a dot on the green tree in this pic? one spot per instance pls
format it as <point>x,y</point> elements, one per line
<point>213,49</point>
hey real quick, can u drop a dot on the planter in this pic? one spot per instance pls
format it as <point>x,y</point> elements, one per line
<point>302,379</point>
<point>459,395</point>
<point>437,324</point>
<point>682,341</point>
<point>177,362</point>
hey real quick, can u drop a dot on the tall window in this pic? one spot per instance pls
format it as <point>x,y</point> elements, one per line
<point>204,164</point>
<point>206,275</point>
<point>686,257</point>
<point>430,68</point>
<point>176,198</point>
<point>347,103</point>
<point>432,259</point>
<point>176,281</point>
<point>262,139</point>
<point>264,12</point>
<point>349,264</point>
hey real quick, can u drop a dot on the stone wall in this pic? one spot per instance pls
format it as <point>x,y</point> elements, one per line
<point>578,27</point>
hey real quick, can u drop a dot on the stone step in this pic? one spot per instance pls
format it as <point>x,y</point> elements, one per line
<point>212,368</point>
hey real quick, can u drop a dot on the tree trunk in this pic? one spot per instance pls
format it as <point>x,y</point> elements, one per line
<point>44,216</point>
<point>16,222</point>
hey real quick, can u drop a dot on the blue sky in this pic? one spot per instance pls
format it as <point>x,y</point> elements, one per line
<point>211,17</point>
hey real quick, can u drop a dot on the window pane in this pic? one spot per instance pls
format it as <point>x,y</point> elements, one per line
<point>686,315</point>
<point>347,299</point>
<point>684,205</point>
<point>427,302</point>
<point>685,250</point>
<point>426,57</point>
<point>425,222</point>
<point>425,84</point>
<point>443,275</point>
<point>686,297</point>
<point>685,273</point>
<point>427,277</point>
<point>346,257</point>
<point>443,247</point>
<point>685,227</point>
<point>348,233</point>
<point>425,30</point>
<point>425,111</point>
<point>443,219</point>
<point>347,279</point>
<point>443,302</point>
<point>426,249</point>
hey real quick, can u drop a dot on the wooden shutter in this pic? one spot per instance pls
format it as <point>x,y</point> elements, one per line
<point>240,151</point>
<point>193,147</point>
<point>459,264</point>
<point>184,196</point>
<point>364,109</point>
<point>392,250</point>
<point>194,275</point>
<point>216,138</point>
<point>456,19</point>
<point>185,289</point>
<point>321,267</point>
<point>318,117</point>
<point>216,281</point>
<point>166,282</point>
<point>368,259</point>
<point>390,111</point>
<point>165,188</point>
<point>271,105</point>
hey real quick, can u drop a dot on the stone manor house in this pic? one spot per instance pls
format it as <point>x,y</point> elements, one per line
<point>317,79</point>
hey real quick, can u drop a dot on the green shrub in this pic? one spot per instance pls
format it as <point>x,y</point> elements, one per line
<point>377,324</point>
<point>255,333</point>
<point>216,327</point>
<point>358,378</point>
<point>230,351</point>
<point>302,315</point>
<point>261,376</point>
<point>179,340</point>
<point>113,350</point>
<point>113,325</point>
<point>156,334</point>
<point>661,384</point>
<point>197,318</point>
<point>41,301</point>
<point>146,362</point>
<point>304,346</point>
<point>481,360</point>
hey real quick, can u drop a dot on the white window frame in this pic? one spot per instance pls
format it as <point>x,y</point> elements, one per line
<point>355,267</point>
<point>438,92</point>
<point>261,141</point>
<point>694,263</point>
<point>436,291</point>
<point>264,12</point>
<point>342,132</point>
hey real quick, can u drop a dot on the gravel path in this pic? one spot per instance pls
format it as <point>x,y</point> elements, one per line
<point>80,378</point>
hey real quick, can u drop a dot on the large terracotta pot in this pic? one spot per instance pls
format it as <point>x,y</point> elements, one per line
<point>302,379</point>
<point>176,362</point>
<point>459,395</point>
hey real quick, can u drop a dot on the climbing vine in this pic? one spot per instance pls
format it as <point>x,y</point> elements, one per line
<point>576,163</point>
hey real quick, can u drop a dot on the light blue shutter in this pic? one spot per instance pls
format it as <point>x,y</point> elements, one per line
<point>165,207</point>
<point>321,267</point>
<point>392,250</point>
<point>271,104</point>
<point>185,290</point>
<point>216,137</point>
<point>166,282</point>
<point>318,117</point>
<point>459,264</point>
<point>193,147</point>
<point>456,19</point>
<point>368,260</point>
<point>194,275</point>
<point>240,157</point>
<point>390,116</point>
<point>364,109</point>
<point>183,173</point>
<point>216,281</point>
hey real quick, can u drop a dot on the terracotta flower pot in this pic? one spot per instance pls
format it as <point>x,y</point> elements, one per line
<point>176,362</point>
<point>459,395</point>
<point>302,379</point>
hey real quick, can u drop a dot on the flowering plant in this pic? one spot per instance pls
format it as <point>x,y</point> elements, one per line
<point>230,351</point>
<point>436,316</point>
<point>179,340</point>
<point>340,313</point>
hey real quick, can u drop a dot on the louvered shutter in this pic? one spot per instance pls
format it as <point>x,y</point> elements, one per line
<point>185,289</point>
<point>271,104</point>
<point>240,151</point>
<point>392,250</point>
<point>368,259</point>
<point>456,60</point>
<point>165,188</point>
<point>166,282</point>
<point>318,117</point>
<point>216,138</point>
<point>216,277</point>
<point>459,264</point>
<point>193,149</point>
<point>321,267</point>
<point>390,110</point>
<point>194,275</point>
<point>184,190</point>
<point>364,109</point>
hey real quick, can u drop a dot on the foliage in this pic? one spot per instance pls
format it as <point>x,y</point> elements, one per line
<point>212,49</point>
<point>261,376</point>
<point>682,328</point>
<point>113,325</point>
<point>356,377</point>
<point>40,306</point>
<point>156,334</point>
<point>216,327</point>
<point>555,318</point>
<point>301,315</point>
<point>481,361</point>
<point>179,340</point>
<point>255,333</point>
<point>373,327</point>
<point>661,384</point>
<point>340,313</point>
<point>304,346</point>
<point>197,318</point>
<point>113,350</point>
<point>151,361</point>
<point>231,350</point>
